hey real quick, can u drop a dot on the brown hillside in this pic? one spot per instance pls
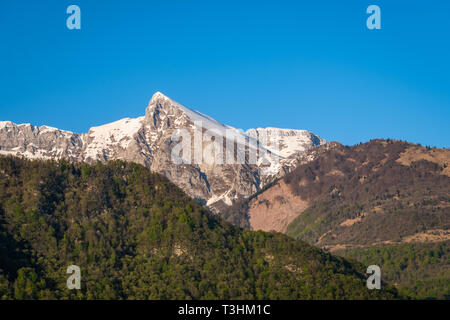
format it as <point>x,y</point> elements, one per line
<point>383,191</point>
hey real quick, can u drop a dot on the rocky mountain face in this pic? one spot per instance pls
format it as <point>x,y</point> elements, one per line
<point>214,163</point>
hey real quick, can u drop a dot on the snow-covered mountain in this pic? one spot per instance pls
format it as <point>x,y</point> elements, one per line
<point>150,140</point>
<point>289,141</point>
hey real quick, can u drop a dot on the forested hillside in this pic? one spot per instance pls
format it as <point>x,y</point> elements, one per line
<point>380,197</point>
<point>137,236</point>
<point>418,270</point>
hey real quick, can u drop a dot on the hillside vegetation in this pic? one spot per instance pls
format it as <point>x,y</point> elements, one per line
<point>378,194</point>
<point>365,195</point>
<point>135,235</point>
<point>384,203</point>
<point>419,270</point>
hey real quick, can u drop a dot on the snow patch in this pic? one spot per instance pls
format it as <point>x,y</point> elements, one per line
<point>45,129</point>
<point>4,124</point>
<point>289,141</point>
<point>27,154</point>
<point>103,137</point>
<point>224,197</point>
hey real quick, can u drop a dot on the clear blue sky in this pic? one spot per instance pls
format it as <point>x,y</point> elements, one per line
<point>292,64</point>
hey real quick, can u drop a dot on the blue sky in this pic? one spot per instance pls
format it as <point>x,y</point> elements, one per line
<point>292,64</point>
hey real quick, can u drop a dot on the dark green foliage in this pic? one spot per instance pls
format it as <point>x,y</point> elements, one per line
<point>419,270</point>
<point>137,236</point>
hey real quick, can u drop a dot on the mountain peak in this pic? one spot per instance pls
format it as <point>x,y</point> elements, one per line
<point>160,101</point>
<point>163,100</point>
<point>158,95</point>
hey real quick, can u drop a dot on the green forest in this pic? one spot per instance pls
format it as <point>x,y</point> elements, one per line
<point>419,270</point>
<point>135,235</point>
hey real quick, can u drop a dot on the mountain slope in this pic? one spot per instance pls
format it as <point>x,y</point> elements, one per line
<point>419,270</point>
<point>150,140</point>
<point>135,235</point>
<point>368,201</point>
<point>396,188</point>
<point>370,194</point>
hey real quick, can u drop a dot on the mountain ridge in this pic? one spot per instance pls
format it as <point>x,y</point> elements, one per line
<point>148,140</point>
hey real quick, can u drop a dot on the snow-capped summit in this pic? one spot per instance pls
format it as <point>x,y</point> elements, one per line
<point>288,141</point>
<point>194,116</point>
<point>149,140</point>
<point>101,141</point>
